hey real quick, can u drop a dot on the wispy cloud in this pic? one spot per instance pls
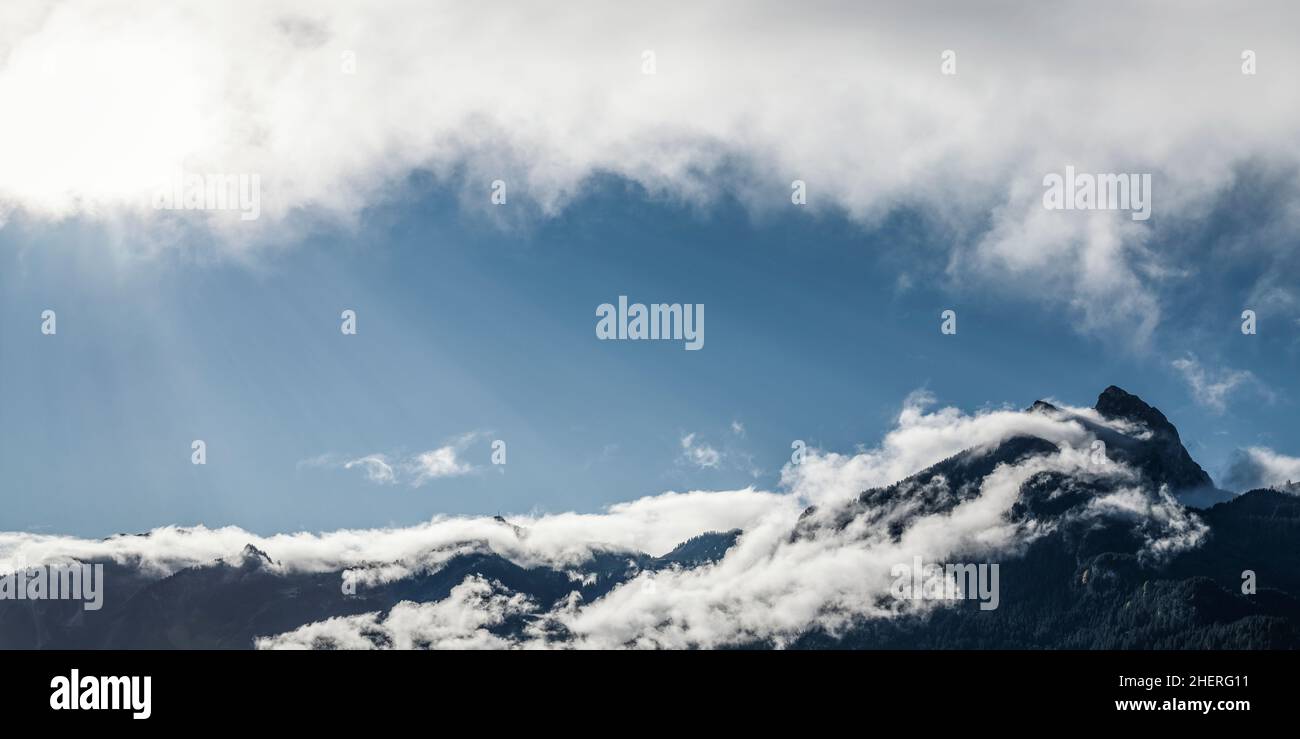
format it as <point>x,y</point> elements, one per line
<point>415,469</point>
<point>437,463</point>
<point>700,454</point>
<point>376,467</point>
<point>1211,388</point>
<point>727,452</point>
<point>459,621</point>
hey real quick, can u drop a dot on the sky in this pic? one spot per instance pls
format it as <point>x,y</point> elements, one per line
<point>377,151</point>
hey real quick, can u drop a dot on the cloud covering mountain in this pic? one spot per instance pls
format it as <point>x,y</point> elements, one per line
<point>815,559</point>
<point>1258,467</point>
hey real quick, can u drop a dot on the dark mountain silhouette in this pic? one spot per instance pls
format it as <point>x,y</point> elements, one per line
<point>229,603</point>
<point>1088,585</point>
<point>1163,458</point>
<point>1088,581</point>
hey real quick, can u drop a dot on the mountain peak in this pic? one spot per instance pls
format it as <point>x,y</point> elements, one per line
<point>1164,458</point>
<point>1115,402</point>
<point>252,557</point>
<point>519,531</point>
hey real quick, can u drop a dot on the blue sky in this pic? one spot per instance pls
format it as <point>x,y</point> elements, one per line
<point>468,325</point>
<point>649,151</point>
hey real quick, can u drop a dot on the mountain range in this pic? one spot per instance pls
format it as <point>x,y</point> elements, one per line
<point>1143,553</point>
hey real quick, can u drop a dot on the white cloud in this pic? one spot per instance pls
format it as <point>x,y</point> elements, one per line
<point>376,467</point>
<point>458,621</point>
<point>1261,467</point>
<point>700,454</point>
<point>1210,387</point>
<point>921,438</point>
<point>440,462</point>
<point>1166,525</point>
<point>106,98</point>
<point>414,469</point>
<point>731,456</point>
<point>653,524</point>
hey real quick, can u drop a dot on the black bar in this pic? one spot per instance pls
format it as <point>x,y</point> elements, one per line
<point>923,689</point>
